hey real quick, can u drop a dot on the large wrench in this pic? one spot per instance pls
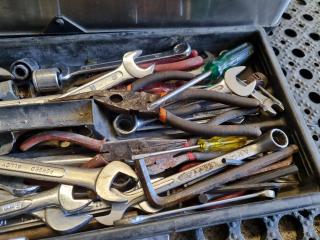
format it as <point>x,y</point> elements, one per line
<point>237,86</point>
<point>60,196</point>
<point>127,70</point>
<point>271,140</point>
<point>98,179</point>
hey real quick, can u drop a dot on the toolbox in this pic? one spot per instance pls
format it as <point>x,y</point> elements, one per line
<point>77,32</point>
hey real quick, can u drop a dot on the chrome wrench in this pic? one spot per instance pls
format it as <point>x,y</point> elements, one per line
<point>127,70</point>
<point>59,76</point>
<point>268,102</point>
<point>60,196</point>
<point>98,179</point>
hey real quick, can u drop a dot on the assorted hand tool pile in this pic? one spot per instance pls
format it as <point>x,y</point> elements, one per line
<point>143,139</point>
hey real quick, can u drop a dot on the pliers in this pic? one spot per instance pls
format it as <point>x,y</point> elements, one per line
<point>137,103</point>
<point>111,150</point>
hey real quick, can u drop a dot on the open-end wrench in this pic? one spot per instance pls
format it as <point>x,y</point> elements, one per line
<point>143,218</point>
<point>98,179</point>
<point>127,70</point>
<point>54,217</point>
<point>60,196</point>
<point>268,102</point>
<point>16,187</point>
<point>272,140</point>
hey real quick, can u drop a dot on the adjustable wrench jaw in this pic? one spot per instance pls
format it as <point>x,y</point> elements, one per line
<point>132,68</point>
<point>67,201</point>
<point>230,77</point>
<point>106,177</point>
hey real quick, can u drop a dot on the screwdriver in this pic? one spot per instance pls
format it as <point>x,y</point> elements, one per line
<point>213,69</point>
<point>222,144</point>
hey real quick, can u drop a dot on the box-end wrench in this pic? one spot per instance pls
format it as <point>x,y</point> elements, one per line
<point>272,140</point>
<point>268,102</point>
<point>127,70</point>
<point>60,196</point>
<point>98,179</point>
<point>269,194</point>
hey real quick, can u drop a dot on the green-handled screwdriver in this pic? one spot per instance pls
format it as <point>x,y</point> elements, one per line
<point>214,70</point>
<point>221,144</point>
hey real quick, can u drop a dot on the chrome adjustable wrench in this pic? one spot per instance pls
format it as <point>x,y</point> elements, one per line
<point>268,102</point>
<point>127,70</point>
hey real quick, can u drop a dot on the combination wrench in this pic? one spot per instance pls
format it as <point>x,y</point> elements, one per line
<point>52,79</point>
<point>271,140</point>
<point>60,196</point>
<point>99,179</point>
<point>127,70</point>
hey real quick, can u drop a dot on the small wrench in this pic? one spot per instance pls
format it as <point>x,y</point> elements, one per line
<point>268,102</point>
<point>60,196</point>
<point>98,179</point>
<point>127,70</point>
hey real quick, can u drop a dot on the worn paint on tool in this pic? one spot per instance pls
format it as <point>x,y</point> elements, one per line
<point>31,168</point>
<point>200,170</point>
<point>14,206</point>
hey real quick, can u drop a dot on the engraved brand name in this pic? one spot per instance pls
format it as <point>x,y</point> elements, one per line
<point>199,171</point>
<point>14,206</point>
<point>30,168</point>
<point>237,155</point>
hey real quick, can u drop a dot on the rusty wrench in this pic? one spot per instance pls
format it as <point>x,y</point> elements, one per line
<point>272,140</point>
<point>210,183</point>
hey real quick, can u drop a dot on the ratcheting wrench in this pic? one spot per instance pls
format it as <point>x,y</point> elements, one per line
<point>60,196</point>
<point>98,179</point>
<point>127,70</point>
<point>272,140</point>
<point>268,102</point>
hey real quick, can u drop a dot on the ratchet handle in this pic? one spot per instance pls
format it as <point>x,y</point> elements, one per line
<point>87,142</point>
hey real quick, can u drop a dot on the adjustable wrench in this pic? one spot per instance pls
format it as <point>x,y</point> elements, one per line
<point>98,179</point>
<point>127,70</point>
<point>269,103</point>
<point>272,140</point>
<point>60,196</point>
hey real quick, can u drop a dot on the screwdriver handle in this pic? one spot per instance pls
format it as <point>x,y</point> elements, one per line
<point>234,57</point>
<point>223,144</point>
